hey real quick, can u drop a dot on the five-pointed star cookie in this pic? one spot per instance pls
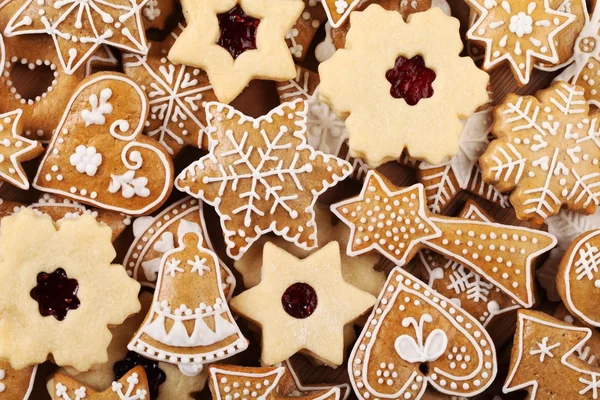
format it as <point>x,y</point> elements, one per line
<point>236,41</point>
<point>132,386</point>
<point>261,176</point>
<point>520,31</point>
<point>302,305</point>
<point>15,149</point>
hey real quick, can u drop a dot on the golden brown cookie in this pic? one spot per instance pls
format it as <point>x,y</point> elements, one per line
<point>132,386</point>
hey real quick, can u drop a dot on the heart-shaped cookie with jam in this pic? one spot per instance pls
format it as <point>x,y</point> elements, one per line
<point>98,154</point>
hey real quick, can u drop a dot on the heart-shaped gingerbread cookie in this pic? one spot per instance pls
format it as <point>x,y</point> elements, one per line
<point>98,154</point>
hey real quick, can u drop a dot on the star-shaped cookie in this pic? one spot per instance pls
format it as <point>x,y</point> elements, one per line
<point>236,41</point>
<point>302,305</point>
<point>261,176</point>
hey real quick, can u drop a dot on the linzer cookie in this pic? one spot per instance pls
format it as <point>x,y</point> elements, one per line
<point>545,153</point>
<point>98,155</point>
<point>79,29</point>
<point>132,386</point>
<point>236,41</point>
<point>189,323</point>
<point>63,288</point>
<point>261,176</point>
<point>387,110</point>
<point>396,222</point>
<point>302,33</point>
<point>16,384</point>
<point>308,296</point>
<point>415,338</point>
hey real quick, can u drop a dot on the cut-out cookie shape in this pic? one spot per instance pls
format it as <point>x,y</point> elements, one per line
<point>338,10</point>
<point>176,96</point>
<point>468,289</point>
<point>300,37</point>
<point>261,176</point>
<point>16,384</point>
<point>545,360</point>
<point>219,40</point>
<point>308,296</point>
<point>98,155</point>
<point>189,323</point>
<point>155,236</point>
<point>546,152</point>
<point>78,29</point>
<point>396,222</point>
<point>590,352</point>
<point>381,123</point>
<point>517,31</point>
<point>156,13</point>
<point>132,386</point>
<point>66,288</point>
<point>415,338</point>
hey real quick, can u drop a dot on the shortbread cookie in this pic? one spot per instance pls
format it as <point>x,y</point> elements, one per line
<point>64,288</point>
<point>261,176</point>
<point>236,41</point>
<point>189,323</point>
<point>79,29</point>
<point>16,384</point>
<point>98,155</point>
<point>545,153</point>
<point>388,111</point>
<point>396,222</point>
<point>469,290</point>
<point>308,296</point>
<point>132,386</point>
<point>302,33</point>
<point>517,31</point>
<point>415,337</point>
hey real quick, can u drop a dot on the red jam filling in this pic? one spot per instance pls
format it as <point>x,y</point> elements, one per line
<point>299,300</point>
<point>238,31</point>
<point>56,294</point>
<point>156,376</point>
<point>411,80</point>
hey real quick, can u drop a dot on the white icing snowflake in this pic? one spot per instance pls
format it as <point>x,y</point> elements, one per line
<point>100,107</point>
<point>86,160</point>
<point>129,185</point>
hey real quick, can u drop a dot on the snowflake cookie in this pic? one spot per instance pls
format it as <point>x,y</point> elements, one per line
<point>396,223</point>
<point>78,28</point>
<point>261,176</point>
<point>236,41</point>
<point>387,110</point>
<point>546,152</point>
<point>414,338</point>
<point>66,288</point>
<point>132,386</point>
<point>16,384</point>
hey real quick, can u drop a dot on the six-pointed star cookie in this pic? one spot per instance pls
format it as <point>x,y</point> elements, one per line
<point>261,176</point>
<point>302,305</point>
<point>236,41</point>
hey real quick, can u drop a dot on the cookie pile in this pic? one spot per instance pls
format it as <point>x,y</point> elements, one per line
<point>467,215</point>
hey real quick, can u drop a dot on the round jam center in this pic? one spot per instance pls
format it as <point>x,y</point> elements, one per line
<point>411,80</point>
<point>299,300</point>
<point>56,294</point>
<point>156,376</point>
<point>238,31</point>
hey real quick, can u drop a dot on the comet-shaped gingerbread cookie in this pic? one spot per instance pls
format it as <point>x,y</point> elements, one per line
<point>396,222</point>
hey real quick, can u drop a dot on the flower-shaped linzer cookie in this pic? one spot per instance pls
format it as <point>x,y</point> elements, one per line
<point>71,257</point>
<point>236,41</point>
<point>413,90</point>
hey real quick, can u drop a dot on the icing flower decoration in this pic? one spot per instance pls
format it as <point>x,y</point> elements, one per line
<point>86,160</point>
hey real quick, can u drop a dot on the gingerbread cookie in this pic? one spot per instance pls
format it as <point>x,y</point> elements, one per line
<point>157,12</point>
<point>468,289</point>
<point>236,41</point>
<point>189,302</point>
<point>590,352</point>
<point>79,29</point>
<point>16,384</point>
<point>132,386</point>
<point>73,262</point>
<point>98,155</point>
<point>387,110</point>
<point>302,33</point>
<point>545,153</point>
<point>261,176</point>
<point>415,337</point>
<point>308,296</point>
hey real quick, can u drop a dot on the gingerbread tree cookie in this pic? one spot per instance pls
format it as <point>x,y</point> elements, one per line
<point>132,386</point>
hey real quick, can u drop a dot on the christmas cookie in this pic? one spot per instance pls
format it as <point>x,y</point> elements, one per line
<point>236,41</point>
<point>396,222</point>
<point>545,153</point>
<point>132,386</point>
<point>66,288</point>
<point>590,352</point>
<point>261,176</point>
<point>302,33</point>
<point>387,110</point>
<point>176,96</point>
<point>79,29</point>
<point>414,338</point>
<point>469,290</point>
<point>16,384</point>
<point>156,13</point>
<point>189,323</point>
<point>98,155</point>
<point>308,296</point>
